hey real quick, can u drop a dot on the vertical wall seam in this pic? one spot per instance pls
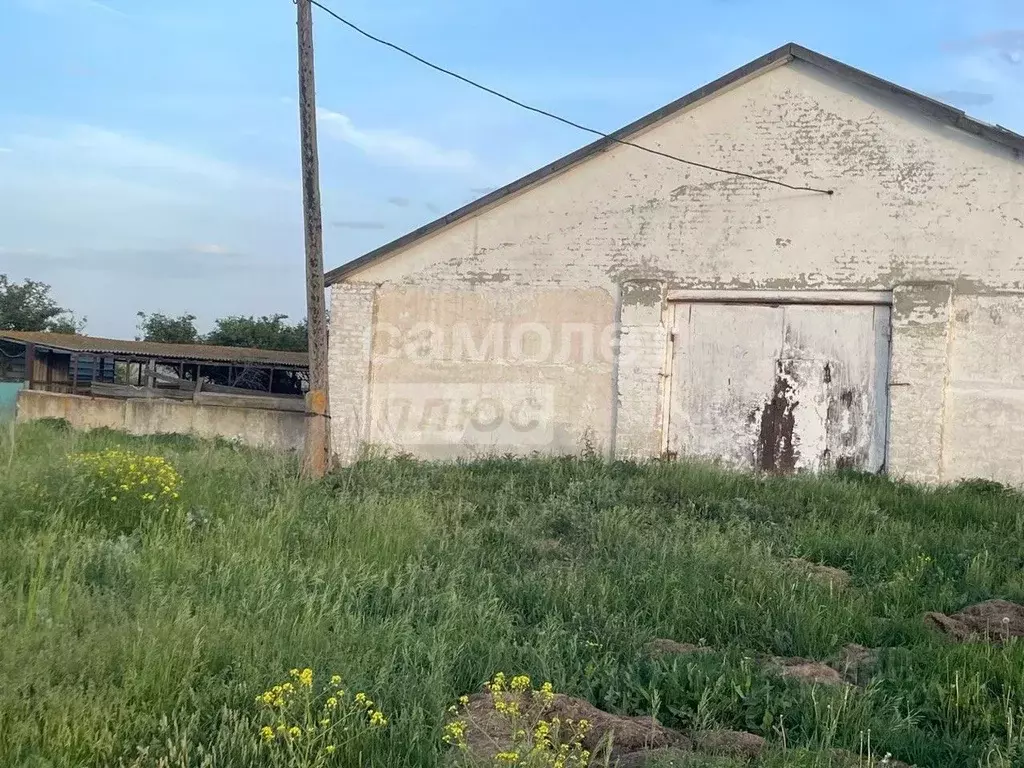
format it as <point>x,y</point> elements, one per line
<point>616,357</point>
<point>668,321</point>
<point>886,362</point>
<point>364,428</point>
<point>944,431</point>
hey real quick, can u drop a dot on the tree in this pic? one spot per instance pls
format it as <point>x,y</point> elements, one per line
<point>168,330</point>
<point>67,324</point>
<point>267,332</point>
<point>28,306</point>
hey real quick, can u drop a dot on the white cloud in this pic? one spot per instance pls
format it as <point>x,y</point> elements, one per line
<point>394,146</point>
<point>211,249</point>
<point>101,7</point>
<point>24,252</point>
<point>992,58</point>
<point>81,151</point>
<point>981,68</point>
<point>59,6</point>
<point>80,187</point>
<point>989,65</point>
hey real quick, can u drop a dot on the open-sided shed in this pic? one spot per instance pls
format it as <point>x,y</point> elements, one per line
<point>74,364</point>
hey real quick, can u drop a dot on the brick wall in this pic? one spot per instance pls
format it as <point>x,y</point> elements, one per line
<point>349,351</point>
<point>918,379</point>
<point>915,203</point>
<point>640,378</point>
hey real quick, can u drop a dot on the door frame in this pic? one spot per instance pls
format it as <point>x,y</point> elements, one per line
<point>765,298</point>
<point>726,296</point>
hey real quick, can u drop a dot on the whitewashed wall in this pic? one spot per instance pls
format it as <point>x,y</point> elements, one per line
<point>922,209</point>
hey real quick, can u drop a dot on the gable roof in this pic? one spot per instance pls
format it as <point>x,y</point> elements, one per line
<point>937,110</point>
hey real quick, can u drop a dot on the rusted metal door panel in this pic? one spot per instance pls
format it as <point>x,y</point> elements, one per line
<point>781,388</point>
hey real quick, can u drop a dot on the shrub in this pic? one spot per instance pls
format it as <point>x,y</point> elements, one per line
<point>57,425</point>
<point>123,488</point>
<point>308,730</point>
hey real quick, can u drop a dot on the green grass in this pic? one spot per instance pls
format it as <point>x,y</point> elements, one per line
<point>418,581</point>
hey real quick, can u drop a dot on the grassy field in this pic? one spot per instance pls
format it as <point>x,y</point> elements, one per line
<point>416,582</point>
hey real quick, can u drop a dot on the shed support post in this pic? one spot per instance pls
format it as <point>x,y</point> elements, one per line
<point>30,364</point>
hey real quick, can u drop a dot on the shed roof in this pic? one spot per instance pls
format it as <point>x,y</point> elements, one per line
<point>937,110</point>
<point>196,353</point>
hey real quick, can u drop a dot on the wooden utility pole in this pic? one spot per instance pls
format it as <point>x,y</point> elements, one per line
<point>316,458</point>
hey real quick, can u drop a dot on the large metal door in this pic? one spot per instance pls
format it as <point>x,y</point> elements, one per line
<point>782,387</point>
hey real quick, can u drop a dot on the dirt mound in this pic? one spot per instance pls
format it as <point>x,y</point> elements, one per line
<point>856,664</point>
<point>667,757</point>
<point>662,647</point>
<point>489,732</point>
<point>635,741</point>
<point>842,758</point>
<point>994,621</point>
<point>836,578</point>
<point>806,671</point>
<point>729,743</point>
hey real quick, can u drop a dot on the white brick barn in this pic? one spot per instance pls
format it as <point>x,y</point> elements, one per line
<point>622,302</point>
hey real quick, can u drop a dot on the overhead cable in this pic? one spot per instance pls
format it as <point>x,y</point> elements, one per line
<point>559,118</point>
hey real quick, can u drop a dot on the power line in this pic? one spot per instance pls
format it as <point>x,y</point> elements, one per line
<point>559,118</point>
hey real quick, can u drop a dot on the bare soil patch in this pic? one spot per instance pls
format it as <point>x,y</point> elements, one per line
<point>993,621</point>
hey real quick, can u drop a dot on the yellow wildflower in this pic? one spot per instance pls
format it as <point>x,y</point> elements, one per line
<point>546,694</point>
<point>454,731</point>
<point>267,733</point>
<point>520,683</point>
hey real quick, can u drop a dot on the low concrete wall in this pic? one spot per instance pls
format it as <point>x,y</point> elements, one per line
<point>256,427</point>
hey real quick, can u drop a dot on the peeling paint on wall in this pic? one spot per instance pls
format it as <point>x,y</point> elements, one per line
<point>776,451</point>
<point>780,388</point>
<point>921,209</point>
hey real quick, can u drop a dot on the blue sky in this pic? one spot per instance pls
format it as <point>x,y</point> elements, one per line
<point>149,149</point>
